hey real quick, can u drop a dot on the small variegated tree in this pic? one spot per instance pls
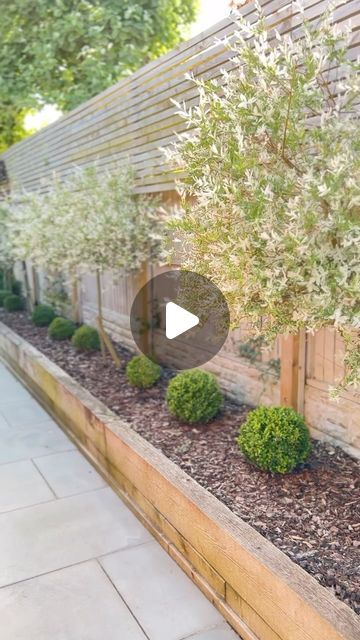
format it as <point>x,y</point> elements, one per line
<point>92,222</point>
<point>38,234</point>
<point>271,197</point>
<point>7,250</point>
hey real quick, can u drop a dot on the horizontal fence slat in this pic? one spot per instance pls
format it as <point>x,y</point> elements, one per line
<point>135,117</point>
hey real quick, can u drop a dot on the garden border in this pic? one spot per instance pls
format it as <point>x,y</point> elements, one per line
<point>257,588</point>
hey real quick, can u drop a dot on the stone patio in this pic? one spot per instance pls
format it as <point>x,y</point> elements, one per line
<point>75,564</point>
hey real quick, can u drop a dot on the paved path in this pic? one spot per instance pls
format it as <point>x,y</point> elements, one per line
<point>75,564</point>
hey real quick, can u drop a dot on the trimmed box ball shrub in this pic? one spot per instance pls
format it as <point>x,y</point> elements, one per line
<point>142,372</point>
<point>61,328</point>
<point>194,396</point>
<point>86,338</point>
<point>13,302</point>
<point>3,294</point>
<point>43,315</point>
<point>275,439</point>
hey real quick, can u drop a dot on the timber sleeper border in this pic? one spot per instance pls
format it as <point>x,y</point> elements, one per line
<point>258,589</point>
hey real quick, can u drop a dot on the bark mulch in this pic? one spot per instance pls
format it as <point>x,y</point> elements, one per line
<point>312,515</point>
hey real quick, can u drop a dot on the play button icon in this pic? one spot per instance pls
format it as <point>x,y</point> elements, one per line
<point>179,319</point>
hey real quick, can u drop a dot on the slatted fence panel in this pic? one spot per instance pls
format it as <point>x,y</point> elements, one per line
<point>136,117</point>
<point>338,421</point>
<point>117,295</point>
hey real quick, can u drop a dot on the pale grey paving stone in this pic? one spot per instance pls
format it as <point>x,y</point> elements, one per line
<point>10,388</point>
<point>13,394</point>
<point>57,534</point>
<point>77,603</point>
<point>32,442</point>
<point>164,600</point>
<point>69,473</point>
<point>221,632</point>
<point>24,413</point>
<point>3,369</point>
<point>21,485</point>
<point>3,424</point>
<point>5,375</point>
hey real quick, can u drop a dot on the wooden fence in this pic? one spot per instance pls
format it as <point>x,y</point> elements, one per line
<point>131,121</point>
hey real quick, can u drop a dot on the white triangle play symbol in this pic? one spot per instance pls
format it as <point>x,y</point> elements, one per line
<point>178,320</point>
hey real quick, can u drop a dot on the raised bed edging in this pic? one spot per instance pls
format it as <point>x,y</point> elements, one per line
<point>258,589</point>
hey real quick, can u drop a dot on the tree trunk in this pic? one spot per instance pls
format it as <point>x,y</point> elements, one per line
<point>105,341</point>
<point>35,285</point>
<point>100,313</point>
<point>29,303</point>
<point>8,279</point>
<point>75,311</point>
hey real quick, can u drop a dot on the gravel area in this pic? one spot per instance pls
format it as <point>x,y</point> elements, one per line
<point>312,515</point>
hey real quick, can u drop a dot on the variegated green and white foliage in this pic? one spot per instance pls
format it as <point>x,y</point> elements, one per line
<point>6,253</point>
<point>90,222</point>
<point>272,189</point>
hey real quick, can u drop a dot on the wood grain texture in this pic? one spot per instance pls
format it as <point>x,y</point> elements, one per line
<point>290,363</point>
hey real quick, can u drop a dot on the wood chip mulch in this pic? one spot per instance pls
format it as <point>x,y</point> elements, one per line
<point>312,515</point>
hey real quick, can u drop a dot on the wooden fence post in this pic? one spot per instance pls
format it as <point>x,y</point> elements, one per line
<point>141,280</point>
<point>292,377</point>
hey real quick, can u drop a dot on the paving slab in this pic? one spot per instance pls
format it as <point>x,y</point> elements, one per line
<point>77,603</point>
<point>11,388</point>
<point>3,424</point>
<point>32,441</point>
<point>165,601</point>
<point>23,414</point>
<point>21,485</point>
<point>69,473</point>
<point>57,534</point>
